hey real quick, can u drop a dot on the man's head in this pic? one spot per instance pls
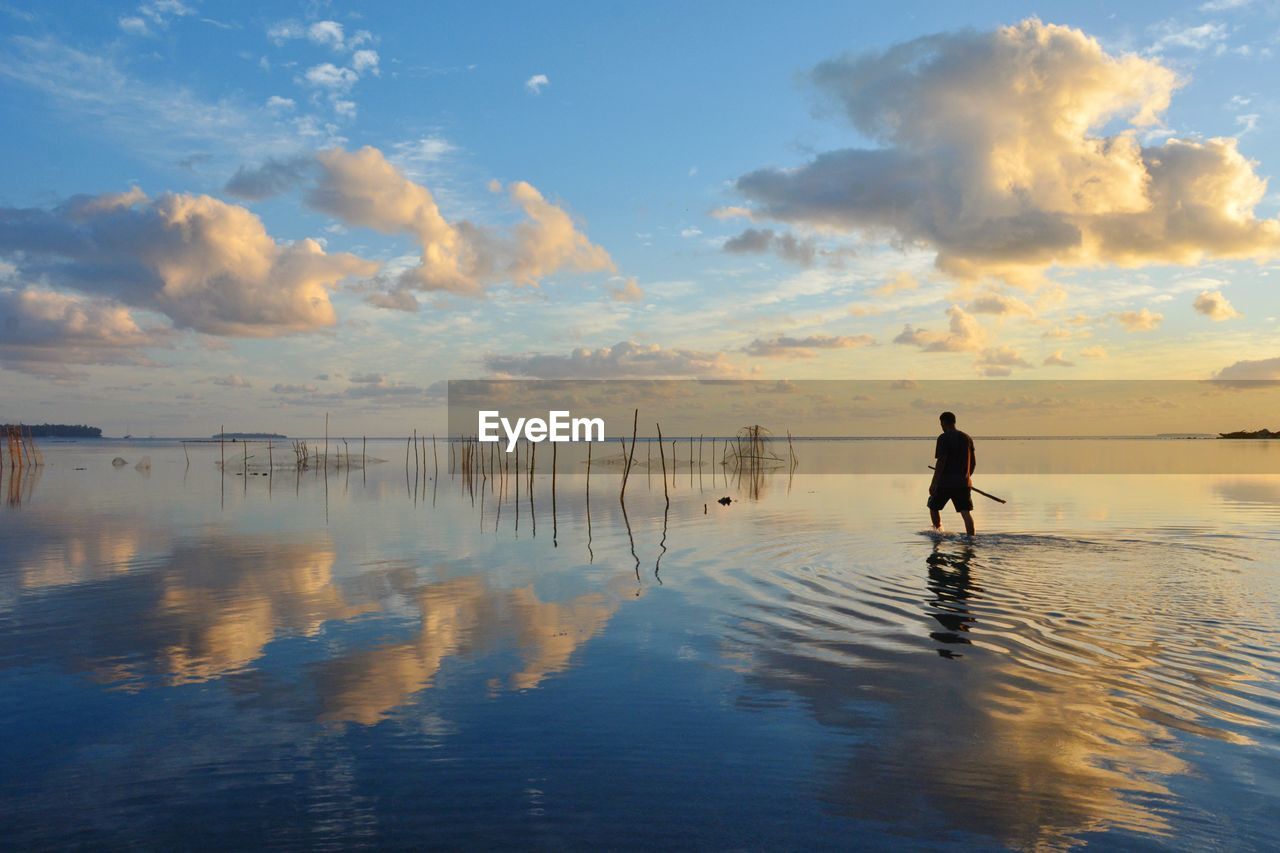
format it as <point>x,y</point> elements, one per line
<point>948,420</point>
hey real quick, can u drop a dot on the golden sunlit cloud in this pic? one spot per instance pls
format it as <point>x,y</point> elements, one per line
<point>205,264</point>
<point>1212,304</point>
<point>991,155</point>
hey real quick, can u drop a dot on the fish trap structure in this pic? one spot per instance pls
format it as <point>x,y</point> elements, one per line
<point>752,449</point>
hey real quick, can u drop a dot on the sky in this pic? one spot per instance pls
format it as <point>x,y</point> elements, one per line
<point>250,214</point>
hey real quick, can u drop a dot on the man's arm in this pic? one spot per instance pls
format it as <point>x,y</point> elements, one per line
<point>973,463</point>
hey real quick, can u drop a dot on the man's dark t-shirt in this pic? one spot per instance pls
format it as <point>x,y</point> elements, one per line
<point>957,447</point>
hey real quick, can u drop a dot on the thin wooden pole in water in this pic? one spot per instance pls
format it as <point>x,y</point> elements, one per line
<point>674,463</point>
<point>555,522</point>
<point>663,454</point>
<point>631,455</point>
<point>591,554</point>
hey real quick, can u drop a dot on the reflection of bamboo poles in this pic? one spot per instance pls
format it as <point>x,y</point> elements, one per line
<point>22,479</point>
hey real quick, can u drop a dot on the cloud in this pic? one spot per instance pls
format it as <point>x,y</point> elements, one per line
<point>900,282</point>
<point>419,152</point>
<point>368,378</point>
<point>205,264</point>
<point>625,359</point>
<point>42,332</point>
<point>789,347</point>
<point>732,212</point>
<point>991,154</point>
<point>365,61</point>
<point>135,26</point>
<point>283,31</point>
<point>1139,321</point>
<point>157,13</point>
<point>965,334</point>
<point>159,121</point>
<point>326,75</point>
<point>279,104</point>
<point>1266,368</point>
<point>327,33</point>
<point>537,83</point>
<point>548,241</point>
<point>999,361</point>
<point>1204,36</point>
<point>1093,352</point>
<point>786,245</point>
<point>362,188</point>
<point>282,388</point>
<point>1058,360</point>
<point>630,291</point>
<point>330,34</point>
<point>234,380</point>
<point>999,304</point>
<point>393,300</point>
<point>1212,304</point>
<point>274,176</point>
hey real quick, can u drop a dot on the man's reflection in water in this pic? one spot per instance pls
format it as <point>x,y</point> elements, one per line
<point>952,587</point>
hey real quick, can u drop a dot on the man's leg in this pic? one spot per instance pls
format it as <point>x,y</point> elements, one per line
<point>968,521</point>
<point>935,518</point>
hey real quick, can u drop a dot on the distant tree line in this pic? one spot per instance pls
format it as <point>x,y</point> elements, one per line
<point>57,430</point>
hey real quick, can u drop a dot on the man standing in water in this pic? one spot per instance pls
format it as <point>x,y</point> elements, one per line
<point>952,473</point>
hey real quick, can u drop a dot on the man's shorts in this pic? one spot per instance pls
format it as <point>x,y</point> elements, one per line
<point>960,497</point>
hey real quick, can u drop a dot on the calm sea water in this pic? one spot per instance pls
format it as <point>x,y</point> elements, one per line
<point>191,660</point>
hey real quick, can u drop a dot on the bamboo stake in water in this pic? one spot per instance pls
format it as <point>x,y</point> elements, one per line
<point>591,554</point>
<point>631,456</point>
<point>555,522</point>
<point>663,454</point>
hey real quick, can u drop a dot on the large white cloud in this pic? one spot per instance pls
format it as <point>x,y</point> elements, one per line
<point>991,152</point>
<point>363,188</point>
<point>42,331</point>
<point>207,265</point>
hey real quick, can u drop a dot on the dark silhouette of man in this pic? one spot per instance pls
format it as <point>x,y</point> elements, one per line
<point>952,473</point>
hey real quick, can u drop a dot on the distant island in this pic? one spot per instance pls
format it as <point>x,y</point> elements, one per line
<point>1257,433</point>
<point>55,430</point>
<point>234,436</point>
